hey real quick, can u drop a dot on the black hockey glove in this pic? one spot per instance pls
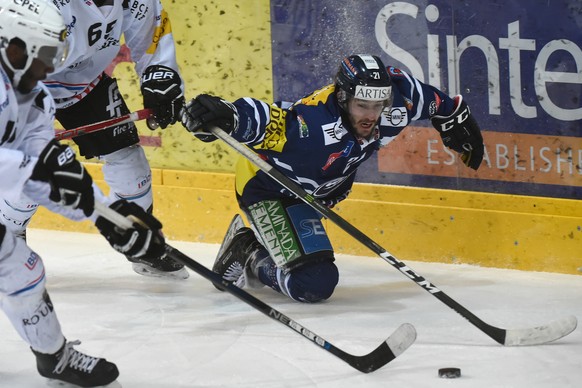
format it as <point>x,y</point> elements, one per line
<point>145,239</point>
<point>460,132</point>
<point>161,90</point>
<point>206,111</point>
<point>70,183</point>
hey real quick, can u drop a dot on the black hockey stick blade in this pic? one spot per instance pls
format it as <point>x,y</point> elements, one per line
<point>519,337</point>
<point>395,345</point>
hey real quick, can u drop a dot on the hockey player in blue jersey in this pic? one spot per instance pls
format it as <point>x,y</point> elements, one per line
<point>319,142</point>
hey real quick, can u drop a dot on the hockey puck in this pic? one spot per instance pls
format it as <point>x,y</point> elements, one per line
<point>449,373</point>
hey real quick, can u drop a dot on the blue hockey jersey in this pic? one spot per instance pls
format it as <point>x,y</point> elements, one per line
<point>311,144</point>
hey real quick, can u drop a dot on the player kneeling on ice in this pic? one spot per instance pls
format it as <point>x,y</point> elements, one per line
<point>34,165</point>
<point>318,142</point>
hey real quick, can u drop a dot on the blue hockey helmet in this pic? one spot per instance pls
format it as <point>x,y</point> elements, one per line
<point>363,77</point>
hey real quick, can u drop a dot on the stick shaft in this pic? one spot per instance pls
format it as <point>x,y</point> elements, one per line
<point>374,360</point>
<point>496,333</point>
<point>85,129</point>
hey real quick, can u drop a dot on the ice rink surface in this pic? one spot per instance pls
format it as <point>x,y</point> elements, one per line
<point>172,334</point>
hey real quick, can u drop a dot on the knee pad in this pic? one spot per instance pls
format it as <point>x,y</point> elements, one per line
<point>15,215</point>
<point>291,231</point>
<point>128,174</point>
<point>312,282</point>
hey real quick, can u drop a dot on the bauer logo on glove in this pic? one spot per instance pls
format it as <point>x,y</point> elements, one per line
<point>161,88</point>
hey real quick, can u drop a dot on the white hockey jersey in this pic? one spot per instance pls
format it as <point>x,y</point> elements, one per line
<point>26,127</point>
<point>94,36</point>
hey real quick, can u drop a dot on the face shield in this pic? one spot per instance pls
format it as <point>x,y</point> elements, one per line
<point>53,56</point>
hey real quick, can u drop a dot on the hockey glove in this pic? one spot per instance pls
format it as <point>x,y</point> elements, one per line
<point>70,183</point>
<point>460,132</point>
<point>145,239</point>
<point>162,93</point>
<point>206,111</point>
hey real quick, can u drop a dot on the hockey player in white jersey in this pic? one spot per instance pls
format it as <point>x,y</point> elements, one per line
<point>84,94</point>
<point>34,164</point>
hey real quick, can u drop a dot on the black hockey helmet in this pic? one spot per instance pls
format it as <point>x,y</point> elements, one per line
<point>363,77</point>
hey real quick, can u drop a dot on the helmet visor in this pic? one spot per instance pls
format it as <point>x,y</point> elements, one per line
<point>53,56</point>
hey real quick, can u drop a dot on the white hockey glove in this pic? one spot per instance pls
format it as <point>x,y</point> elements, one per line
<point>161,90</point>
<point>70,183</point>
<point>145,239</point>
<point>206,111</point>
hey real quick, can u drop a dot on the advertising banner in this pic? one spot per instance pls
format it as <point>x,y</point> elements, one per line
<point>518,64</point>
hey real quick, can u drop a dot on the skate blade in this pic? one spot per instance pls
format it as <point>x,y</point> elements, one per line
<point>145,270</point>
<point>62,384</point>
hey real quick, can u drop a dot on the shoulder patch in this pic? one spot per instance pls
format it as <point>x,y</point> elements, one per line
<point>333,132</point>
<point>275,131</point>
<point>319,96</point>
<point>303,129</point>
<point>396,117</point>
<point>395,72</point>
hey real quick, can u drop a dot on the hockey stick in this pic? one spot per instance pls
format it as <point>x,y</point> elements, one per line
<point>508,337</point>
<point>85,129</point>
<point>392,347</point>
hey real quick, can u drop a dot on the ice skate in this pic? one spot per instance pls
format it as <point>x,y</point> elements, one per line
<point>234,256</point>
<point>161,267</point>
<point>73,367</point>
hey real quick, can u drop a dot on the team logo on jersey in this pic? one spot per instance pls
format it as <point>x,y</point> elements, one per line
<point>303,129</point>
<point>333,132</point>
<point>336,155</point>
